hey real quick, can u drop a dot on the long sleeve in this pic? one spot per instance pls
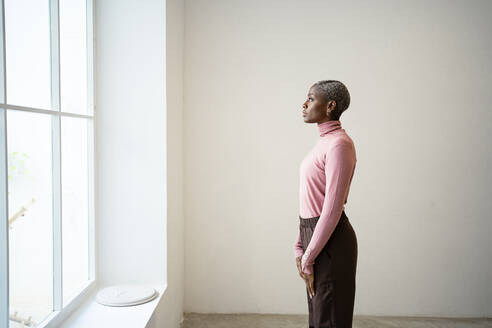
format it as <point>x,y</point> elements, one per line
<point>339,168</point>
<point>298,251</point>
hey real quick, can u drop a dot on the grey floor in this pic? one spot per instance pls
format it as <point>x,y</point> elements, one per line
<point>198,320</point>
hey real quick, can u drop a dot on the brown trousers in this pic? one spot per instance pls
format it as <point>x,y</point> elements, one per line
<point>334,275</point>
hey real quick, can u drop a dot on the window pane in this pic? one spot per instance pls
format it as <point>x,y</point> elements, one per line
<point>30,215</point>
<point>73,56</point>
<point>27,29</point>
<point>74,205</point>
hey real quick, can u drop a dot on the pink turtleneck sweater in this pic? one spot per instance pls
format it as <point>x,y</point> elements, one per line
<point>325,176</point>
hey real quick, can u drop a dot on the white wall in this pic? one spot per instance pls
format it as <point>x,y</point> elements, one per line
<point>420,77</point>
<point>139,127</point>
<point>131,141</point>
<point>170,310</point>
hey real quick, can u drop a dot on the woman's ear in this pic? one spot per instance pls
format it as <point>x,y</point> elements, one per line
<point>330,106</point>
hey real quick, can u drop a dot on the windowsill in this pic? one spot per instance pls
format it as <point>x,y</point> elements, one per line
<point>92,314</point>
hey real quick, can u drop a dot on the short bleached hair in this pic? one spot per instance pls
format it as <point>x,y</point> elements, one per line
<point>334,90</point>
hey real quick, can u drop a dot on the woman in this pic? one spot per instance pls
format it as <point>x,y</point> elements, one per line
<point>326,245</point>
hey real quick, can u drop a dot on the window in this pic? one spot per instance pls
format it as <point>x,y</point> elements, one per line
<point>46,158</point>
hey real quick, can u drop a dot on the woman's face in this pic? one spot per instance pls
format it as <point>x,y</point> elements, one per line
<point>315,109</point>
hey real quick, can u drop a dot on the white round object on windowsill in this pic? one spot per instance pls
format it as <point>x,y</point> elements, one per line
<point>125,295</point>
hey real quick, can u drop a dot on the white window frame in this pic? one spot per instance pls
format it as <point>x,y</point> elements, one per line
<point>60,312</point>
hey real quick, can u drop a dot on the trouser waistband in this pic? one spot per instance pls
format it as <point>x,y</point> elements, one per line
<point>312,221</point>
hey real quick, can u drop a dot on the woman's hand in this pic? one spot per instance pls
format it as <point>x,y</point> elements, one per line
<point>309,279</point>
<point>299,268</point>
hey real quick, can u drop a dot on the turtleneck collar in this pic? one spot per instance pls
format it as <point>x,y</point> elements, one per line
<point>327,127</point>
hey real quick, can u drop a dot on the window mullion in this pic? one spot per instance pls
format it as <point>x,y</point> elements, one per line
<point>4,212</point>
<point>3,64</point>
<point>56,157</point>
<point>57,217</point>
<point>90,55</point>
<point>90,138</point>
<point>4,230</point>
<point>55,54</point>
<point>91,210</point>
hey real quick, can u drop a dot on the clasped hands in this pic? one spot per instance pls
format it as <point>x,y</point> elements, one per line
<point>308,278</point>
